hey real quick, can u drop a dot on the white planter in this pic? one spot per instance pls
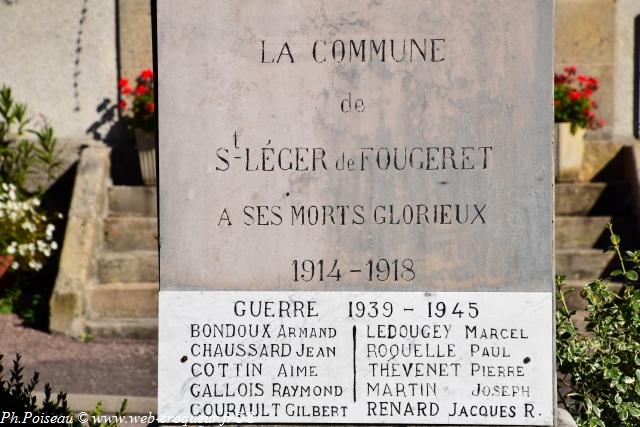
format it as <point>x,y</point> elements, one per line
<point>569,152</point>
<point>146,145</point>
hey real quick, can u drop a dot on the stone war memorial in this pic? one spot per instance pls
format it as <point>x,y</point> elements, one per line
<point>356,216</point>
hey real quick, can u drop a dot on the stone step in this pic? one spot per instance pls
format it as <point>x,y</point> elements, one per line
<point>573,299</point>
<point>583,232</point>
<point>128,267</point>
<point>123,300</point>
<point>130,233</point>
<point>593,198</point>
<point>584,264</point>
<point>145,328</point>
<point>127,200</point>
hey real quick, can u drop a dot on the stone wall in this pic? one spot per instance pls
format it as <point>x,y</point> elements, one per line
<point>585,37</point>
<point>598,37</point>
<point>135,37</point>
<point>627,13</point>
<point>60,58</point>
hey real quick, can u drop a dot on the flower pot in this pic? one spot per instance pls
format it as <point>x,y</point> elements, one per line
<point>5,263</point>
<point>569,152</point>
<point>146,145</point>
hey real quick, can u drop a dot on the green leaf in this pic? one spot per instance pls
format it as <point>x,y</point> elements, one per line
<point>615,239</point>
<point>615,273</point>
<point>624,414</point>
<point>597,410</point>
<point>632,275</point>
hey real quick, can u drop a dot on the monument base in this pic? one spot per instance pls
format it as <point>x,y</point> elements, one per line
<point>356,357</point>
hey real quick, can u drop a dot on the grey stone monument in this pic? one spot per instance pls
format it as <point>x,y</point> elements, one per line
<point>356,211</point>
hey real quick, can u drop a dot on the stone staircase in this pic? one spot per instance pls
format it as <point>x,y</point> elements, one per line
<point>123,301</point>
<point>582,212</point>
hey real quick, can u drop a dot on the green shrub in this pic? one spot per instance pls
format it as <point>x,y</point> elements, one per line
<point>29,159</point>
<point>17,400</point>
<point>17,397</point>
<point>599,369</point>
<point>23,147</point>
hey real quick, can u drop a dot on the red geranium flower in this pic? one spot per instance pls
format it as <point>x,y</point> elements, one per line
<point>141,89</point>
<point>138,100</point>
<point>574,95</point>
<point>559,78</point>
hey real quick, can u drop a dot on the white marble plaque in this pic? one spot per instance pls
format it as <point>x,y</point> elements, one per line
<point>367,152</point>
<point>356,357</point>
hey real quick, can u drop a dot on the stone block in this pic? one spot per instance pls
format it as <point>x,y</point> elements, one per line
<point>66,312</point>
<point>584,31</point>
<point>626,13</point>
<point>599,156</point>
<point>130,233</point>
<point>593,198</point>
<point>144,328</point>
<point>577,199</point>
<point>135,37</point>
<point>125,200</point>
<point>133,266</point>
<point>128,300</point>
<point>582,231</point>
<point>583,264</point>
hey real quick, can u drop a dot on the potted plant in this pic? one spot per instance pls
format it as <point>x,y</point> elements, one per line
<point>26,235</point>
<point>574,114</point>
<point>141,109</point>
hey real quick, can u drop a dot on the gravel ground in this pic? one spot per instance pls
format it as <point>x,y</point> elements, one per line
<point>119,367</point>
